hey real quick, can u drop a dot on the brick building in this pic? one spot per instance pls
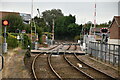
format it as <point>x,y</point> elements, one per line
<point>4,13</point>
<point>115,30</point>
<point>26,17</point>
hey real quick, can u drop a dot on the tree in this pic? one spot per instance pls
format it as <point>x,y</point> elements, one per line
<point>49,15</point>
<point>66,28</point>
<point>41,23</point>
<point>74,30</point>
<point>15,22</point>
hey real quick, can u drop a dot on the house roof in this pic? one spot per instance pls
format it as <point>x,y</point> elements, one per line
<point>117,20</point>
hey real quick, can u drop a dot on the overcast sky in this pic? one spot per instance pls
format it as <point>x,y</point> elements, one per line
<point>83,10</point>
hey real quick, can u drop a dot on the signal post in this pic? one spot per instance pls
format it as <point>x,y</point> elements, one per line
<point>5,23</point>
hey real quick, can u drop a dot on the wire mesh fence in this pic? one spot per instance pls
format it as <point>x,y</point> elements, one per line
<point>109,53</point>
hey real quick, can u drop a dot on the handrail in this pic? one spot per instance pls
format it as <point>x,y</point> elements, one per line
<point>2,62</point>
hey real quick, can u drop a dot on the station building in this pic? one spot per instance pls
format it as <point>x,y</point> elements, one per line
<point>115,31</point>
<point>26,17</point>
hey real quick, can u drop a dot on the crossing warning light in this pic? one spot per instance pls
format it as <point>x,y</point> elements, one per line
<point>5,22</point>
<point>104,30</point>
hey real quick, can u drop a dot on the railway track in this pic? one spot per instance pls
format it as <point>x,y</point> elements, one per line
<point>86,69</point>
<point>62,69</point>
<point>97,74</point>
<point>33,67</point>
<point>51,66</point>
<point>83,73</point>
<point>35,71</point>
<point>65,66</point>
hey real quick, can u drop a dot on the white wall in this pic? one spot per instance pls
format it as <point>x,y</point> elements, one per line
<point>119,8</point>
<point>114,41</point>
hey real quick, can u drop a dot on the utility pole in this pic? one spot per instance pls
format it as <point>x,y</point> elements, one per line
<point>33,30</point>
<point>53,38</point>
<point>31,19</point>
<point>95,20</point>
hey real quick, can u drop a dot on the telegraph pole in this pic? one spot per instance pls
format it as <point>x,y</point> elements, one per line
<point>31,19</point>
<point>95,20</point>
<point>53,38</point>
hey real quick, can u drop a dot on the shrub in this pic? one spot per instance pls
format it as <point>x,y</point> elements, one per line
<point>26,41</point>
<point>77,38</point>
<point>12,42</point>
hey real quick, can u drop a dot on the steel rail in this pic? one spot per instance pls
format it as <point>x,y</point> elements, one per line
<point>49,62</point>
<point>93,67</point>
<point>33,67</point>
<point>90,77</point>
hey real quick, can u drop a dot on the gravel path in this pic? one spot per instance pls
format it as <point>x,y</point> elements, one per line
<point>99,65</point>
<point>14,65</point>
<point>42,68</point>
<point>64,69</point>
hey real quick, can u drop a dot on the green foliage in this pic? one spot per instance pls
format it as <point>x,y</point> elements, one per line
<point>67,28</point>
<point>39,31</point>
<point>73,30</point>
<point>14,34</point>
<point>15,22</point>
<point>27,27</point>
<point>26,41</point>
<point>77,37</point>
<point>49,15</point>
<point>12,42</point>
<point>41,23</point>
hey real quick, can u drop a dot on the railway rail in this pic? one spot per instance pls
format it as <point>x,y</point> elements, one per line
<point>69,63</point>
<point>66,70</point>
<point>97,74</point>
<point>33,67</point>
<point>49,61</point>
<point>35,61</point>
<point>86,69</point>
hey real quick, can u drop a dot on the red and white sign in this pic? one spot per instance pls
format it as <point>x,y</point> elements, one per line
<point>23,31</point>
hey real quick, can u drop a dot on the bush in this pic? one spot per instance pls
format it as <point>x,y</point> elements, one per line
<point>26,41</point>
<point>12,42</point>
<point>77,38</point>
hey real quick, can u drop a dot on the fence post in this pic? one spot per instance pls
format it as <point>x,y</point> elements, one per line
<point>105,52</point>
<point>101,51</point>
<point>114,55</point>
<point>119,59</point>
<point>109,52</point>
<point>90,48</point>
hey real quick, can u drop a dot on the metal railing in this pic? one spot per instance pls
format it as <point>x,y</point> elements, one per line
<point>109,53</point>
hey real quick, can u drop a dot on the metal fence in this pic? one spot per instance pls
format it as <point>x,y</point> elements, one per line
<point>109,53</point>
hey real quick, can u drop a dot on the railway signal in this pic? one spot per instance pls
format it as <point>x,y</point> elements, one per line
<point>5,23</point>
<point>104,32</point>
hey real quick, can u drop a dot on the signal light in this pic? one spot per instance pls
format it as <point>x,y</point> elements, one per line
<point>104,30</point>
<point>5,22</point>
